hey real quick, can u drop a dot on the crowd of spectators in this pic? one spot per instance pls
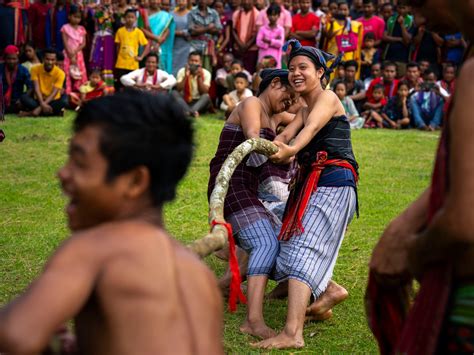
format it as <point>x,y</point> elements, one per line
<point>58,55</point>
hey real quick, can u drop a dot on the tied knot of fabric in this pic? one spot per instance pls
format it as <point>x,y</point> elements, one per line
<point>235,290</point>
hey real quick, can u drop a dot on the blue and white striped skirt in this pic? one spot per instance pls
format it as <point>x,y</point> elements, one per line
<point>310,257</point>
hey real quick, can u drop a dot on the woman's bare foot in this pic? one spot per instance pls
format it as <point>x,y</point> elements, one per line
<point>257,329</point>
<point>279,292</point>
<point>281,341</point>
<point>319,317</point>
<point>333,295</point>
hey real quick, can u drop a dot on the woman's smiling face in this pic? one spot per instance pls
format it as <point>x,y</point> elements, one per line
<point>303,75</point>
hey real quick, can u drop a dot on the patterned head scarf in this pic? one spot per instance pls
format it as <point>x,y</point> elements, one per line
<point>268,75</point>
<point>318,57</point>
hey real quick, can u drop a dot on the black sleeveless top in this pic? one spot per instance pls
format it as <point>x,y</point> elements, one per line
<point>335,139</point>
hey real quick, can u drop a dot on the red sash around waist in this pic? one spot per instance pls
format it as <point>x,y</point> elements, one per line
<point>292,222</point>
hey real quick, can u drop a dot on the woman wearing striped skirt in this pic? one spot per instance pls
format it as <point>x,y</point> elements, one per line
<point>323,199</point>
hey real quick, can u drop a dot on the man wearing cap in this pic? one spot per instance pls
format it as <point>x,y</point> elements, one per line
<point>48,82</point>
<point>14,79</point>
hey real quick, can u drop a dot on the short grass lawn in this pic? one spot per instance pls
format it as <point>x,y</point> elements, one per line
<point>395,167</point>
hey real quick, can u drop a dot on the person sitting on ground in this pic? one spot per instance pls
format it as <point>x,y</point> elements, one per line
<point>236,67</point>
<point>413,77</point>
<point>235,97</point>
<point>267,62</point>
<point>448,81</point>
<point>388,80</point>
<point>427,104</point>
<point>221,75</point>
<point>192,86</point>
<point>374,106</point>
<point>355,88</point>
<point>14,78</point>
<point>128,40</point>
<point>396,114</point>
<point>127,155</point>
<point>149,78</point>
<point>351,111</point>
<point>92,89</point>
<point>375,72</point>
<point>30,56</point>
<point>48,80</point>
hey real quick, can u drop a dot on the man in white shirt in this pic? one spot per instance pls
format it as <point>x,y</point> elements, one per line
<point>149,78</point>
<point>192,87</point>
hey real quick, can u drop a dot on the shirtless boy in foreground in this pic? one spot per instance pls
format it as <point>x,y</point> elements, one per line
<point>129,286</point>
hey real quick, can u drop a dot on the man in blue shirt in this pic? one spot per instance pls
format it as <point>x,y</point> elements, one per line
<point>14,79</point>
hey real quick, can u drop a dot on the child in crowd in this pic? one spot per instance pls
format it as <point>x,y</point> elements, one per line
<point>341,71</point>
<point>352,114</point>
<point>375,72</point>
<point>74,40</point>
<point>236,67</point>
<point>449,78</point>
<point>374,107</point>
<point>128,40</point>
<point>222,44</point>
<point>92,89</point>
<point>30,56</point>
<point>396,114</point>
<point>270,38</point>
<point>267,62</point>
<point>235,97</point>
<point>369,54</point>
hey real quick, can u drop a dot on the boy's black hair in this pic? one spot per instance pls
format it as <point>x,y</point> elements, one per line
<point>74,9</point>
<point>413,65</point>
<point>130,11</point>
<point>50,51</point>
<point>341,64</point>
<point>351,63</point>
<point>389,63</point>
<point>141,129</point>
<point>403,83</point>
<point>273,9</point>
<point>238,61</point>
<point>341,82</point>
<point>430,71</point>
<point>376,63</point>
<point>152,54</point>
<point>369,35</point>
<point>195,53</point>
<point>379,86</point>
<point>241,75</point>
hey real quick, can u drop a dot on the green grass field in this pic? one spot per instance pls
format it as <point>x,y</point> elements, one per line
<point>394,167</point>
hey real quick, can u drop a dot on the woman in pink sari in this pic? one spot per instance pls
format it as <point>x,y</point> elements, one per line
<point>74,39</point>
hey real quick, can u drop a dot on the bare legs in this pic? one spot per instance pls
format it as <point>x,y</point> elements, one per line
<point>254,323</point>
<point>320,309</point>
<point>292,335</point>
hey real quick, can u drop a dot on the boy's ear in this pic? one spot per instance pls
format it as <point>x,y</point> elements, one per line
<point>138,182</point>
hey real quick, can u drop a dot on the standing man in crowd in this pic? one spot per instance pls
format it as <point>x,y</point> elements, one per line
<point>372,23</point>
<point>15,78</point>
<point>204,25</point>
<point>244,32</point>
<point>305,25</point>
<point>192,87</point>
<point>48,81</point>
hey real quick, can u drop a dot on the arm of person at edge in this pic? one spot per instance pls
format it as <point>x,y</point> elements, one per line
<point>326,107</point>
<point>250,109</point>
<point>28,323</point>
<point>450,233</point>
<point>139,58</point>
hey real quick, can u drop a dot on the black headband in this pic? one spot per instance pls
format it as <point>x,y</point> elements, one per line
<point>268,75</point>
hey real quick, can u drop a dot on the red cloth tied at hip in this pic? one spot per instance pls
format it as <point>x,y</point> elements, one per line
<point>298,200</point>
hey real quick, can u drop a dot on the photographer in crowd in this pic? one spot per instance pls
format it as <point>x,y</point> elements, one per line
<point>427,103</point>
<point>192,86</point>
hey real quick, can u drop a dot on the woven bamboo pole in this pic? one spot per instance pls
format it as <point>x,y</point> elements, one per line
<point>217,238</point>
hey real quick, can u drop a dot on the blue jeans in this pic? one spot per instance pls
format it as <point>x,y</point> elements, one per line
<point>422,119</point>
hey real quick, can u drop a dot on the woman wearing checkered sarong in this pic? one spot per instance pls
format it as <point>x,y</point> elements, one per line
<point>323,199</point>
<point>251,222</point>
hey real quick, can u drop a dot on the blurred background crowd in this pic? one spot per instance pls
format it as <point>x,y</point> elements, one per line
<point>209,54</point>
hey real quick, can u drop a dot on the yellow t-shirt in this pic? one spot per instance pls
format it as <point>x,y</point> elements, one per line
<point>48,81</point>
<point>130,42</point>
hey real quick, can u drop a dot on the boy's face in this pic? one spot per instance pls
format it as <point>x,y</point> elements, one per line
<point>376,70</point>
<point>413,73</point>
<point>151,64</point>
<point>130,19</point>
<point>449,74</point>
<point>240,84</point>
<point>341,72</point>
<point>227,61</point>
<point>402,10</point>
<point>95,79</point>
<point>235,68</point>
<point>377,94</point>
<point>369,9</point>
<point>369,43</point>
<point>341,91</point>
<point>389,73</point>
<point>350,73</point>
<point>387,11</point>
<point>92,200</point>
<point>305,5</point>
